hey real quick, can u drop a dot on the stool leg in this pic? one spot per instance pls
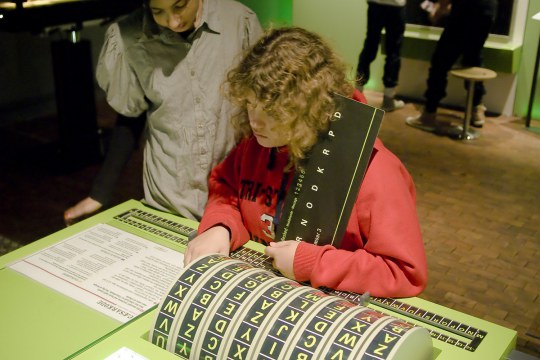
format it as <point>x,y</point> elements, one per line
<point>468,111</point>
<point>465,132</point>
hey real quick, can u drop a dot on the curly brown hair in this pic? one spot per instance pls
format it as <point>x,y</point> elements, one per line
<point>293,73</point>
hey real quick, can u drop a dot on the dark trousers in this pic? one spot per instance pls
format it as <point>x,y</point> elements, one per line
<point>392,19</point>
<point>463,36</point>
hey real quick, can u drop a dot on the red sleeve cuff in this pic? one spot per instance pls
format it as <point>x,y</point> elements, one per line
<point>304,260</point>
<point>239,234</point>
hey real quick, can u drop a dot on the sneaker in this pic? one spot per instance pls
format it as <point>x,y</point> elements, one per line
<point>426,121</point>
<point>391,104</point>
<point>478,117</point>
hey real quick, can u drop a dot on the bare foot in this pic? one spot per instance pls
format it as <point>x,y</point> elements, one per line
<point>81,210</point>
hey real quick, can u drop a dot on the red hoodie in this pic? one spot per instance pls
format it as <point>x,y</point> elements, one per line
<point>382,250</point>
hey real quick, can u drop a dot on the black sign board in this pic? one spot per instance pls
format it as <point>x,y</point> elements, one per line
<point>319,202</point>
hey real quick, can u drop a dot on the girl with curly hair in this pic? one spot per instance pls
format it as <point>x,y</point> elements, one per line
<point>284,87</point>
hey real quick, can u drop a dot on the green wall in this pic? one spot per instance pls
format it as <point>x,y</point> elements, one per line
<point>271,12</point>
<point>525,74</point>
<point>341,22</point>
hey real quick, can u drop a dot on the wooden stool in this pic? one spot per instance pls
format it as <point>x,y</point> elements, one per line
<point>472,75</point>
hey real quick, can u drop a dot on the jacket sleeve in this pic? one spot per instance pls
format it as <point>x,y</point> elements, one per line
<point>124,139</point>
<point>222,207</point>
<point>116,77</point>
<point>252,30</point>
<point>382,252</point>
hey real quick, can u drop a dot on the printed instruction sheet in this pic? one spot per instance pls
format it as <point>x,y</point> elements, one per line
<point>113,271</point>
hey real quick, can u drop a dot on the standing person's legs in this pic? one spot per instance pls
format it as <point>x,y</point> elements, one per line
<point>394,24</point>
<point>472,56</point>
<point>447,51</point>
<point>375,16</point>
<point>395,27</point>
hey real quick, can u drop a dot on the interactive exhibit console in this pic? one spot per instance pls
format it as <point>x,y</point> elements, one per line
<point>113,287</point>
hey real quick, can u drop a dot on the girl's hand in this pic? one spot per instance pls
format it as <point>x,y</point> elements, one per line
<point>213,240</point>
<point>283,254</point>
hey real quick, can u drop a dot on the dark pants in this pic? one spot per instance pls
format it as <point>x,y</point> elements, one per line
<point>463,36</point>
<point>392,19</point>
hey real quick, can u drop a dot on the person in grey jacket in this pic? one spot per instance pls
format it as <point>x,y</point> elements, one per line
<point>168,60</point>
